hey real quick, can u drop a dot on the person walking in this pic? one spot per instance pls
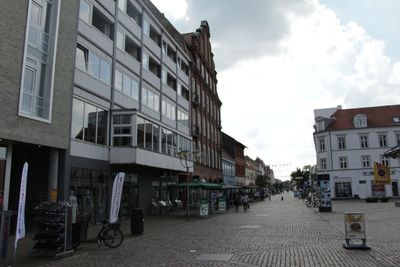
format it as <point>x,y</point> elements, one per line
<point>236,201</point>
<point>245,202</point>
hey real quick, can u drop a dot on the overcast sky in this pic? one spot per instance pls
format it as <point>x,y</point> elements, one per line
<point>278,60</point>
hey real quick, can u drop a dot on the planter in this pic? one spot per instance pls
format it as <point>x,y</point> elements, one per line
<point>371,199</point>
<point>384,199</point>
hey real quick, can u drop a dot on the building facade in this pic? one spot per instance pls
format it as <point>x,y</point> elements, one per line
<point>206,106</point>
<point>250,171</point>
<point>131,105</point>
<point>236,150</point>
<point>349,141</point>
<point>36,64</point>
<point>228,168</point>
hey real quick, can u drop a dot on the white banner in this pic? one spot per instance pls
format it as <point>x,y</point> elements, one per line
<point>20,231</point>
<point>116,196</point>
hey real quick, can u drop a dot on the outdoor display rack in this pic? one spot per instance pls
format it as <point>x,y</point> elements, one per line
<point>53,225</point>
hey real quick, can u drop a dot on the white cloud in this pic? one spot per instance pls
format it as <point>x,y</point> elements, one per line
<point>173,9</point>
<point>306,58</point>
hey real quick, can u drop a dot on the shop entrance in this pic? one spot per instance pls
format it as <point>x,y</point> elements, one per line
<point>395,189</point>
<point>91,189</point>
<point>343,189</point>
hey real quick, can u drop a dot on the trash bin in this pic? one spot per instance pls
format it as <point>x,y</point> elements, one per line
<point>137,221</point>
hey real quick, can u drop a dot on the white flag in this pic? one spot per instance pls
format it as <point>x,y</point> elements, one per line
<point>116,196</point>
<point>20,232</point>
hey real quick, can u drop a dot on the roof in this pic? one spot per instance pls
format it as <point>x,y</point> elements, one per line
<point>381,116</point>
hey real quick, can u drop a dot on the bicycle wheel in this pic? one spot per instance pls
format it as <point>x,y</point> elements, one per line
<point>113,237</point>
<point>309,203</point>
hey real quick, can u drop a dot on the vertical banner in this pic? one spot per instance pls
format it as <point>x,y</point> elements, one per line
<point>381,174</point>
<point>20,231</point>
<point>116,196</point>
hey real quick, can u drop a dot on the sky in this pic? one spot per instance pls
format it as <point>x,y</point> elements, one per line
<point>278,60</point>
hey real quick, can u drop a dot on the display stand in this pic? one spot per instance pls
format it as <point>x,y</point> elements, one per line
<point>54,229</point>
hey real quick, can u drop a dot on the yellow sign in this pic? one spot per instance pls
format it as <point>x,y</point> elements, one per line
<point>53,195</point>
<point>381,174</point>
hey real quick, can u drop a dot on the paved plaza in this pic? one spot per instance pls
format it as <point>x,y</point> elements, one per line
<point>271,233</point>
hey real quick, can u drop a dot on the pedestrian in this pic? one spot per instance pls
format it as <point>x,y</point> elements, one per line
<point>245,202</point>
<point>281,198</point>
<point>236,201</point>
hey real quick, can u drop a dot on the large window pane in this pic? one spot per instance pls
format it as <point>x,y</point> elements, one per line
<point>140,132</point>
<point>90,117</point>
<point>105,74</point>
<point>149,133</point>
<point>126,85</point>
<point>135,90</point>
<point>118,80</point>
<point>163,141</point>
<point>84,12</point>
<point>156,138</point>
<point>80,58</point>
<point>94,65</point>
<point>101,127</point>
<point>77,119</point>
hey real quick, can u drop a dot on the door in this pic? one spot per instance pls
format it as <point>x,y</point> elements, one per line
<point>362,189</point>
<point>395,189</point>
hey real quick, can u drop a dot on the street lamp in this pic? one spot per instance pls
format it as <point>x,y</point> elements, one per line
<point>186,157</point>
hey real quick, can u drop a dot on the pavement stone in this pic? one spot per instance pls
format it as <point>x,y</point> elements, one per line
<point>271,233</point>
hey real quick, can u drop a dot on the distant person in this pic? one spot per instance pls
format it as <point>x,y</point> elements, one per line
<point>281,198</point>
<point>245,202</point>
<point>236,201</point>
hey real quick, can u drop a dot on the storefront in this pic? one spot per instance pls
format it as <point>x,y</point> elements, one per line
<point>343,189</point>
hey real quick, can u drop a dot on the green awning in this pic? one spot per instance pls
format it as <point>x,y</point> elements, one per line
<point>197,184</point>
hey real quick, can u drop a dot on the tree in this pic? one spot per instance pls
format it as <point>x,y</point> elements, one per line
<point>262,181</point>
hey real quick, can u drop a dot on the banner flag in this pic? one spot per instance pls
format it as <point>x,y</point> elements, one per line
<point>381,174</point>
<point>20,231</point>
<point>116,196</point>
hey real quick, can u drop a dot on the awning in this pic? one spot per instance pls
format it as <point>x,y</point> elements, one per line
<point>197,184</point>
<point>394,152</point>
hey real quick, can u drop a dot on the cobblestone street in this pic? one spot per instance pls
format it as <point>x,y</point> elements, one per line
<point>271,233</point>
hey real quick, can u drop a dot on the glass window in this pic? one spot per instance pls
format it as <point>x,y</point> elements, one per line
<point>28,89</point>
<point>365,161</point>
<point>364,141</point>
<point>84,11</point>
<point>90,118</point>
<point>156,103</point>
<point>140,132</point>
<point>146,28</point>
<point>81,58</point>
<point>77,119</point>
<point>163,141</point>
<point>118,80</point>
<point>122,4</point>
<point>105,74</point>
<point>148,135</point>
<point>156,138</point>
<point>94,65</point>
<point>343,162</point>
<point>135,89</point>
<point>145,61</point>
<point>323,164</point>
<point>101,127</point>
<point>120,40</point>
<point>144,96</point>
<point>126,86</point>
<point>382,140</point>
<point>342,142</point>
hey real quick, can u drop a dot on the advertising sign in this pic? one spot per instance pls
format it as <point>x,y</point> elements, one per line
<point>203,207</point>
<point>20,232</point>
<point>221,204</point>
<point>354,223</point>
<point>381,174</point>
<point>116,196</point>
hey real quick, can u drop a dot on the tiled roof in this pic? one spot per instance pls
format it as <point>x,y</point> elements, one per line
<point>376,117</point>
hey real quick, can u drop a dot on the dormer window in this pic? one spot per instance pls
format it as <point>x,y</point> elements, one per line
<point>320,126</point>
<point>360,121</point>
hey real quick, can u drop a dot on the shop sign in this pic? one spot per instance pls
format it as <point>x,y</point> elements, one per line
<point>221,204</point>
<point>381,174</point>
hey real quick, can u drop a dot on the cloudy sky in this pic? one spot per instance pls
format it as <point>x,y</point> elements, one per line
<point>278,60</point>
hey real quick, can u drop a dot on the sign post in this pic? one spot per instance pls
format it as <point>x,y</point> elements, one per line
<point>355,234</point>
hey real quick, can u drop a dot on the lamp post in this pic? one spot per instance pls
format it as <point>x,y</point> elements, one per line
<point>186,157</point>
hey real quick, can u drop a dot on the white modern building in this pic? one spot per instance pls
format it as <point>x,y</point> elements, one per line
<point>349,141</point>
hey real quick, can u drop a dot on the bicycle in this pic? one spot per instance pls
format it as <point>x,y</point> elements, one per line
<point>313,201</point>
<point>110,234</point>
